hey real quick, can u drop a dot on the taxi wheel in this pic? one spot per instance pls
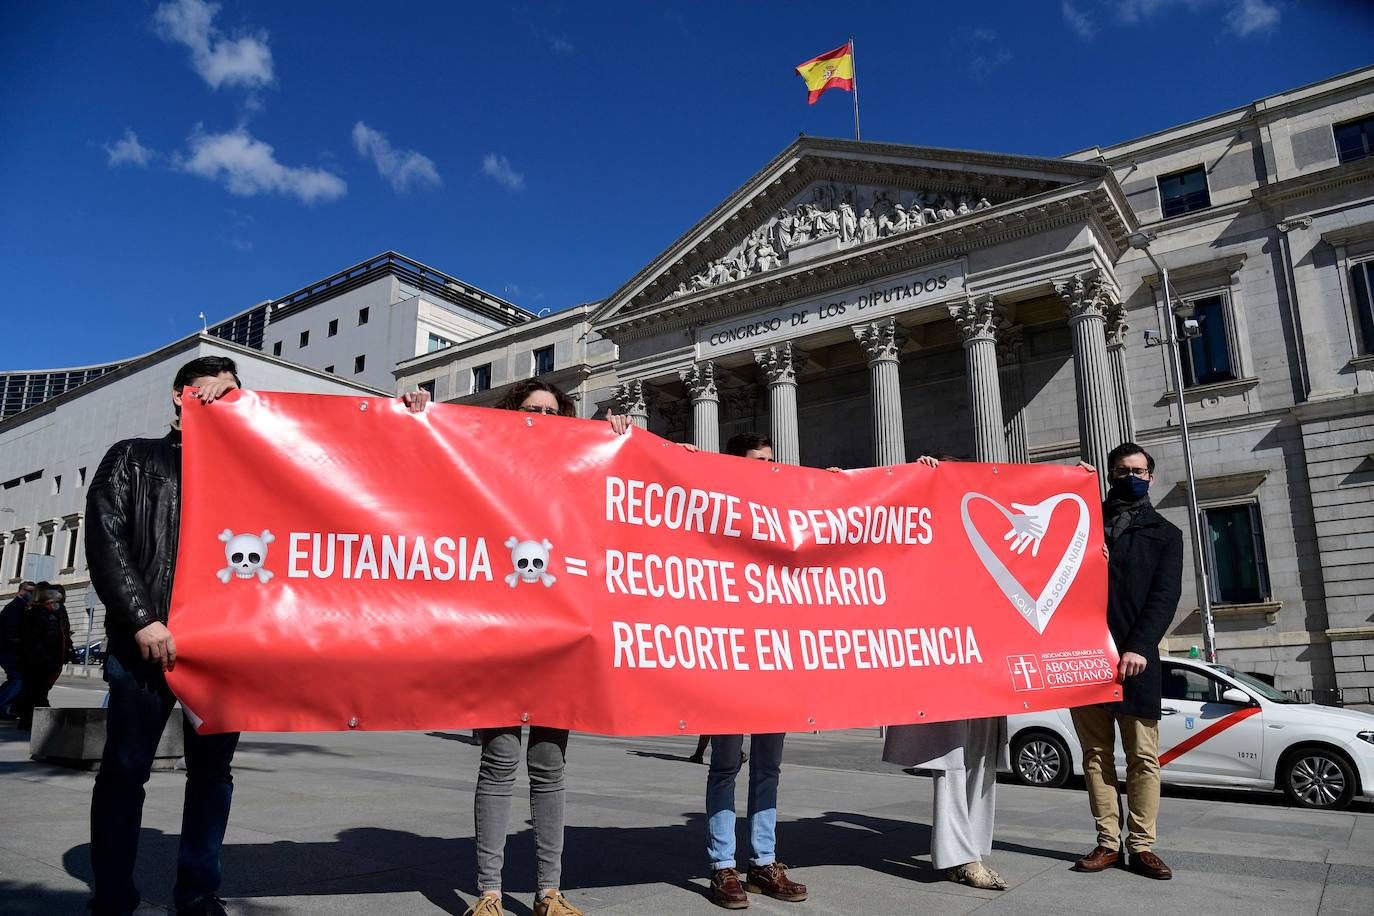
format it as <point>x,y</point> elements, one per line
<point>1314,777</point>
<point>1040,759</point>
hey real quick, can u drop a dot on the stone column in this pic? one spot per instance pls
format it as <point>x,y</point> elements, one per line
<point>881,342</point>
<point>1009,343</point>
<point>629,397</point>
<point>977,320</point>
<point>1086,301</point>
<point>701,385</point>
<point>1116,357</point>
<point>780,364</point>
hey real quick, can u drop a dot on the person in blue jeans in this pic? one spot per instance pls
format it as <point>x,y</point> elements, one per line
<point>766,875</point>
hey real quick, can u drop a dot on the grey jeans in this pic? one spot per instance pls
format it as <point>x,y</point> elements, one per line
<point>544,760</point>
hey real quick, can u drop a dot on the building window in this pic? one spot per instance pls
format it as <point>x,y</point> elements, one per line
<point>73,541</point>
<point>438,343</point>
<point>276,348</point>
<point>481,378</point>
<point>19,558</point>
<point>47,543</point>
<point>56,484</point>
<point>329,369</point>
<point>428,386</point>
<point>362,317</point>
<point>1235,554</point>
<point>1355,139</point>
<point>305,339</point>
<point>1207,357</point>
<point>1184,192</point>
<point>333,327</point>
<point>543,360</point>
<point>1362,281</point>
<point>359,362</point>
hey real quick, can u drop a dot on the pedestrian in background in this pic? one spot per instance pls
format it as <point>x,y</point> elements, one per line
<point>45,644</point>
<point>10,619</point>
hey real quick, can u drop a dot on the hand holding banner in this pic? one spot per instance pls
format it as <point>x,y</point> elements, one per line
<point>345,563</point>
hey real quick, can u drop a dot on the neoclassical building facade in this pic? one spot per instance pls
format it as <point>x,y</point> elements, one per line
<point>866,303</point>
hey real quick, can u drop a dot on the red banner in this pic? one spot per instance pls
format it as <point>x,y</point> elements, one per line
<point>347,564</point>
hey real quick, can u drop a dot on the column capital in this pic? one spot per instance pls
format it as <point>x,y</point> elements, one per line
<point>700,380</point>
<point>1010,340</point>
<point>630,398</point>
<point>780,363</point>
<point>1084,295</point>
<point>739,400</point>
<point>881,340</point>
<point>1116,325</point>
<point>977,318</point>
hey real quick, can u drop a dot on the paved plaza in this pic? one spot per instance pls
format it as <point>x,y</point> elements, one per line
<point>381,823</point>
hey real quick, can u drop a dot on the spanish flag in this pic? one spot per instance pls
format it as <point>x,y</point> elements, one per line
<point>832,69</point>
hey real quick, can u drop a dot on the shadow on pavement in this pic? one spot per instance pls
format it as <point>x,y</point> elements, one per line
<point>470,740</point>
<point>376,860</point>
<point>23,899</point>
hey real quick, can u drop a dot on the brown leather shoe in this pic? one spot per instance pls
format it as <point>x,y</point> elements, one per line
<point>1150,866</point>
<point>772,881</point>
<point>726,889</point>
<point>1100,859</point>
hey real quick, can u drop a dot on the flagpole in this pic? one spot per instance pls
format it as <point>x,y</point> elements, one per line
<point>854,63</point>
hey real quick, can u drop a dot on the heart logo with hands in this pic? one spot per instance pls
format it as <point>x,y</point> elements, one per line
<point>1027,526</point>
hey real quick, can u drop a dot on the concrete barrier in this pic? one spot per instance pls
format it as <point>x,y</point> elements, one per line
<point>76,738</point>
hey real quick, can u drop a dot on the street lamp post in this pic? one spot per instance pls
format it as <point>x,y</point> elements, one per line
<point>1169,339</point>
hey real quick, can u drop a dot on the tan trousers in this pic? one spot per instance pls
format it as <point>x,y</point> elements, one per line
<point>1140,739</point>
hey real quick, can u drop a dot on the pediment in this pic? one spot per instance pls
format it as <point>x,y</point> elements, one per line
<point>821,199</point>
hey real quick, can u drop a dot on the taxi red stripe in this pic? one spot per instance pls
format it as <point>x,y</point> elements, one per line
<point>1207,734</point>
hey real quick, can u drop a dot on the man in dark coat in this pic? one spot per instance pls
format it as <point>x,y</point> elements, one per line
<point>45,644</point>
<point>10,617</point>
<point>1144,581</point>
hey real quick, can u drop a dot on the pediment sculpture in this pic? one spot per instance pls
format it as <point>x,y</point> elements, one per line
<point>846,217</point>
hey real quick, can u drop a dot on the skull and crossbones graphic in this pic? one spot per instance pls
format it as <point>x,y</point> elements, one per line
<point>245,553</point>
<point>531,562</point>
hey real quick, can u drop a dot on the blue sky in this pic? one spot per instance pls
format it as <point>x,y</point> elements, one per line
<point>158,159</point>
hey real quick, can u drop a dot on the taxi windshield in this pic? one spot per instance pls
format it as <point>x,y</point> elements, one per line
<point>1269,693</point>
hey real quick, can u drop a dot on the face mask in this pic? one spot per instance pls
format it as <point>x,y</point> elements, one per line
<point>1129,488</point>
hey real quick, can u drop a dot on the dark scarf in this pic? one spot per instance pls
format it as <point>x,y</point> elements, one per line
<point>1117,515</point>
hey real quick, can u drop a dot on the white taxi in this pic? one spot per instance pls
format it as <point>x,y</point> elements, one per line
<point>1223,728</point>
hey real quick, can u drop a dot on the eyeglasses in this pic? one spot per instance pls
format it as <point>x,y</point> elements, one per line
<point>1118,473</point>
<point>546,411</point>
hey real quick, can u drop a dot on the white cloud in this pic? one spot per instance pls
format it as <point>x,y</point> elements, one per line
<point>561,44</point>
<point>247,166</point>
<point>128,151</point>
<point>987,54</point>
<point>498,169</point>
<point>245,60</point>
<point>1078,20</point>
<point>1250,16</point>
<point>404,169</point>
<point>1242,17</point>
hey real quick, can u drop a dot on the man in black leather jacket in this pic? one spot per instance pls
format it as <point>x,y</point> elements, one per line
<point>133,513</point>
<point>133,517</point>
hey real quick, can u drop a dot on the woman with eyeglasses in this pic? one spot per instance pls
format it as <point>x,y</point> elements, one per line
<point>545,755</point>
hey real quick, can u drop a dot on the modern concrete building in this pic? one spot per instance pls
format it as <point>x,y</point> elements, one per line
<point>49,452</point>
<point>560,348</point>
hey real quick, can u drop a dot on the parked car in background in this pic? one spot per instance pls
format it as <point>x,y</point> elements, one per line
<point>1223,728</point>
<point>92,654</point>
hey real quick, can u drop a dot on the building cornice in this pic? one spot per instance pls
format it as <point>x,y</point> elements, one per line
<point>1305,185</point>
